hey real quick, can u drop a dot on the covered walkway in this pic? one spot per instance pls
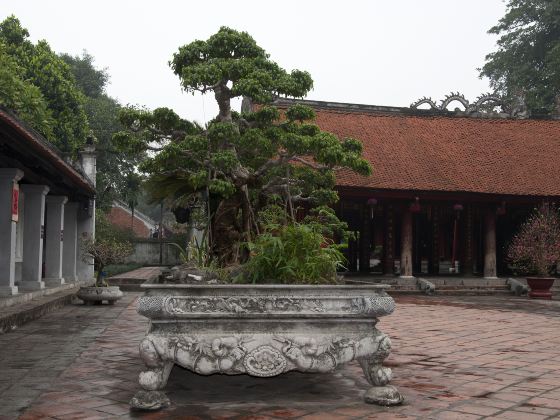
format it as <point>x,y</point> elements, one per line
<point>47,208</point>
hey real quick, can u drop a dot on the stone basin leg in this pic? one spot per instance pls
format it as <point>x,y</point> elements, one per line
<point>153,379</point>
<point>381,393</point>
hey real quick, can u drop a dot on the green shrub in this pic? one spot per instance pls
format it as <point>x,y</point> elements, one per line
<point>292,254</point>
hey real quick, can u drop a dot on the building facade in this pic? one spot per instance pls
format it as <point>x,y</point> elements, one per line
<point>47,208</point>
<point>448,189</point>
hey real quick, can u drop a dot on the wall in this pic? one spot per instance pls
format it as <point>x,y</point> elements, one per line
<point>146,252</point>
<point>122,218</point>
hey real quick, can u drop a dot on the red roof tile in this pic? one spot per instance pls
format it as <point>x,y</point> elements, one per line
<point>450,153</point>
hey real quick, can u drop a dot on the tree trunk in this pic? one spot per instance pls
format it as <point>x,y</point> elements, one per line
<point>227,230</point>
<point>222,95</point>
<point>99,278</point>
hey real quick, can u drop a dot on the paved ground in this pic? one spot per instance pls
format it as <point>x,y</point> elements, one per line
<point>454,358</point>
<point>142,273</point>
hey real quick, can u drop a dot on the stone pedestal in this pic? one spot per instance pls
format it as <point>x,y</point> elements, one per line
<point>34,228</point>
<point>54,240</point>
<point>406,245</point>
<point>490,271</point>
<point>70,248</point>
<point>8,178</point>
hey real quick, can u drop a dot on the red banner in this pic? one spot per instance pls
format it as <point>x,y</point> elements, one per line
<point>15,202</point>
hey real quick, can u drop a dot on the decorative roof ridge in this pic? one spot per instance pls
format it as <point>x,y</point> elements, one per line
<point>365,109</point>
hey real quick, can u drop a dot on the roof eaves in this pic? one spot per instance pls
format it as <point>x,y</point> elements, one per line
<point>49,151</point>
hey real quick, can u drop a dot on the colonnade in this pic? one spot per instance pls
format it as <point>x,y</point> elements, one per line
<point>52,230</point>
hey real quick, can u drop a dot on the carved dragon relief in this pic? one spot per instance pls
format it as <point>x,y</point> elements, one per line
<point>480,106</point>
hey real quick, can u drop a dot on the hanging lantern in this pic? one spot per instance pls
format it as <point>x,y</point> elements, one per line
<point>458,208</point>
<point>501,210</point>
<point>371,203</point>
<point>415,207</point>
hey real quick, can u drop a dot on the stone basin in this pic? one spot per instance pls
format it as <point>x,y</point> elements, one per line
<point>263,331</point>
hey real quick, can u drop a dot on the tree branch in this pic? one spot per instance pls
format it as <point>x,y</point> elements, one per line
<point>312,165</point>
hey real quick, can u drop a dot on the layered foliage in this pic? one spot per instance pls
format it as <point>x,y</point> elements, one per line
<point>527,61</point>
<point>242,162</point>
<point>116,176</point>
<point>22,96</point>
<point>535,250</point>
<point>43,80</point>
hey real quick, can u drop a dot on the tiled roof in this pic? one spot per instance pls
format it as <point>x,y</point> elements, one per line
<point>39,145</point>
<point>451,153</point>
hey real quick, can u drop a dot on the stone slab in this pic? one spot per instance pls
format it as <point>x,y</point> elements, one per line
<point>13,317</point>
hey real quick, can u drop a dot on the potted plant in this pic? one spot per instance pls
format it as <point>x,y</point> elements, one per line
<point>257,173</point>
<point>107,248</point>
<point>535,250</point>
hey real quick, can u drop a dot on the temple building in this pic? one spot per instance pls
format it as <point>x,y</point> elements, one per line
<point>448,189</point>
<point>46,208</point>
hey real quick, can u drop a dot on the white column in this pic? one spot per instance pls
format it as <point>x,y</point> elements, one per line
<point>34,222</point>
<point>54,240</point>
<point>86,229</point>
<point>8,178</point>
<point>69,249</point>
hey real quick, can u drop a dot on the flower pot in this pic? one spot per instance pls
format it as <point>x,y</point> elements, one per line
<point>97,295</point>
<point>263,331</point>
<point>540,287</point>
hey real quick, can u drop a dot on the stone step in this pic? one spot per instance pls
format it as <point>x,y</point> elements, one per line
<point>127,284</point>
<point>468,287</point>
<point>14,316</point>
<point>472,292</point>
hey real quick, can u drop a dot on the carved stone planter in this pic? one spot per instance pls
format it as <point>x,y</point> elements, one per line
<point>264,331</point>
<point>97,295</point>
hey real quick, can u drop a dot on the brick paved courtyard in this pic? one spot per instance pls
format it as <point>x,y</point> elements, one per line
<point>453,358</point>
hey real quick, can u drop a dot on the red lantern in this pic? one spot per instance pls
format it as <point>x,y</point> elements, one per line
<point>501,210</point>
<point>415,207</point>
<point>458,207</point>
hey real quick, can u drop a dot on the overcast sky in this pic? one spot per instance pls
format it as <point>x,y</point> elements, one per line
<point>382,52</point>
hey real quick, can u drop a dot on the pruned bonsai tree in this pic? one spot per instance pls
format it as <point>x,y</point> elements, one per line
<point>535,249</point>
<point>240,163</point>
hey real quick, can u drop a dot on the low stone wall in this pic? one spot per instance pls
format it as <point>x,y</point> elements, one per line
<point>147,251</point>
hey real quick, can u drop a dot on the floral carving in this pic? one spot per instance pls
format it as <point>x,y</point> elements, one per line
<point>265,361</point>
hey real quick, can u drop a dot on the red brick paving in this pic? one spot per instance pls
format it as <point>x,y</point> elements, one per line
<point>460,358</point>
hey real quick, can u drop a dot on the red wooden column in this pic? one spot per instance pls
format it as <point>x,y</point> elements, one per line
<point>490,270</point>
<point>468,255</point>
<point>389,252</point>
<point>435,240</point>
<point>406,244</point>
<point>365,239</point>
